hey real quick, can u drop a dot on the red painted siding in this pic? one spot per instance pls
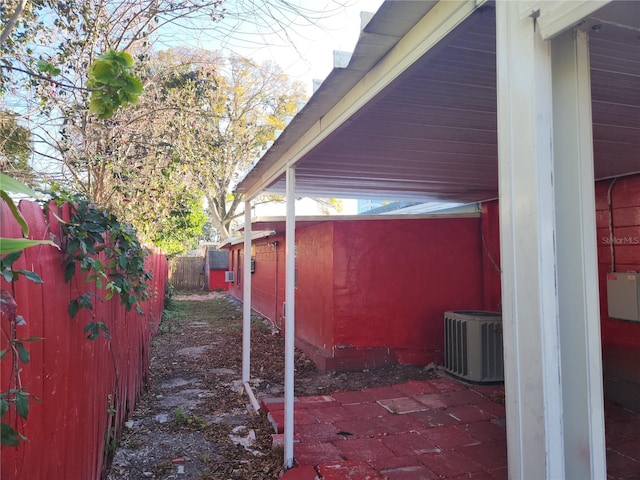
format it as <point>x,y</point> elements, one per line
<point>624,213</point>
<point>216,281</point>
<point>620,339</point>
<point>395,279</point>
<point>372,292</point>
<point>491,256</point>
<point>316,292</point>
<point>268,280</point>
<point>619,203</point>
<point>234,288</point>
<point>76,379</point>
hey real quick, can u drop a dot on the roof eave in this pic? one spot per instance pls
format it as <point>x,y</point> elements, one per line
<point>380,33</point>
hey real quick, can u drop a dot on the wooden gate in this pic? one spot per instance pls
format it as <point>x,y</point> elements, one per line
<point>187,273</point>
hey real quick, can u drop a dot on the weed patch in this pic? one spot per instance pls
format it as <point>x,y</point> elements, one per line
<point>219,313</point>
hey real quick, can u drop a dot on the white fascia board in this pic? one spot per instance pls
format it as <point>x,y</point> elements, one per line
<point>423,38</point>
<point>256,235</point>
<point>553,18</point>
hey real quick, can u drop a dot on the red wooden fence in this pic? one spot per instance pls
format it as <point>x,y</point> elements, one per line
<point>86,387</point>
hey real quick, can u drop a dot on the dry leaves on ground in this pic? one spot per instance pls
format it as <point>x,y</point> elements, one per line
<point>195,421</point>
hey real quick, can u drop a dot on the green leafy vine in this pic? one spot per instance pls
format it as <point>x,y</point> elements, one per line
<point>94,242</point>
<point>112,84</point>
<point>108,251</point>
<point>90,234</point>
<point>16,394</point>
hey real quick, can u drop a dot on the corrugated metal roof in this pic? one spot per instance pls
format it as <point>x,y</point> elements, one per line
<point>432,133</point>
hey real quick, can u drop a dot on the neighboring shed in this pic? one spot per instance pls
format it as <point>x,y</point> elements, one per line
<point>216,263</point>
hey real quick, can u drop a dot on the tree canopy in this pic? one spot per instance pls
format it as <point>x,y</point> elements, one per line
<point>15,147</point>
<point>226,122</point>
<point>196,129</point>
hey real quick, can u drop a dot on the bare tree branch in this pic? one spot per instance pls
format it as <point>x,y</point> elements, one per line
<point>11,23</point>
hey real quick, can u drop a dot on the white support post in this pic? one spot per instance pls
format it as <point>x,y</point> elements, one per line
<point>246,295</point>
<point>577,270</point>
<point>527,224</point>
<point>289,332</point>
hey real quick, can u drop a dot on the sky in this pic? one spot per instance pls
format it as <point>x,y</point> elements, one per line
<point>302,45</point>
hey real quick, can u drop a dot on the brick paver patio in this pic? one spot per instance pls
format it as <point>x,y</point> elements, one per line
<point>419,430</point>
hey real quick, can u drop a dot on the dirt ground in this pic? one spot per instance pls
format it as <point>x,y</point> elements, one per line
<point>195,422</point>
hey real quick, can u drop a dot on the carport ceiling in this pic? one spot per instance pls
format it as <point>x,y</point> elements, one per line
<point>431,134</point>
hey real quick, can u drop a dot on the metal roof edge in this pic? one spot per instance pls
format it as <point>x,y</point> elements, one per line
<point>315,219</point>
<point>344,218</point>
<point>430,208</point>
<point>236,240</point>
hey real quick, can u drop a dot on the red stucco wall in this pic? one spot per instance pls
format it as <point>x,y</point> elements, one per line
<point>624,210</point>
<point>491,276</point>
<point>373,292</point>
<point>620,339</point>
<point>267,282</point>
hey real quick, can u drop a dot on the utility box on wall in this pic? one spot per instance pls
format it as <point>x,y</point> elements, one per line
<point>623,295</point>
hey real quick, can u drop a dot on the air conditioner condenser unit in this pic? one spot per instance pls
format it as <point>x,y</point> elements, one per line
<point>473,345</point>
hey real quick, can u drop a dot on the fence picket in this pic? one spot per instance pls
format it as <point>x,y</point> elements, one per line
<point>74,377</point>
